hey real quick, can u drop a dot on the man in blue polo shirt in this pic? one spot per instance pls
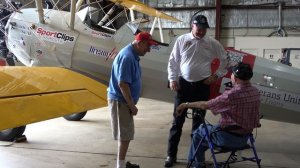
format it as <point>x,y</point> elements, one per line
<point>124,92</point>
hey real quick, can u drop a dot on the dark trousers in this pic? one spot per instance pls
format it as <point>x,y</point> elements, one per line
<point>189,92</point>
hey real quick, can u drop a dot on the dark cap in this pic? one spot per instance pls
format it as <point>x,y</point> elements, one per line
<point>200,21</point>
<point>146,37</point>
<point>242,71</point>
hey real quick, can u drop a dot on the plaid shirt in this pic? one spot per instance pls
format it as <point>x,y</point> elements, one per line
<point>238,106</point>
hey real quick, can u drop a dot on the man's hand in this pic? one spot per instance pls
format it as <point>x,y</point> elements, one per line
<point>125,89</point>
<point>133,109</point>
<point>180,109</point>
<point>211,79</point>
<point>199,104</point>
<point>174,86</point>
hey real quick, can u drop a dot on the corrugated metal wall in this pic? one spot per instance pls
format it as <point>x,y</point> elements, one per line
<point>237,14</point>
<point>31,3</point>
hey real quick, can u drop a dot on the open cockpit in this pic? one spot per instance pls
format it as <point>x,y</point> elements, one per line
<point>103,16</point>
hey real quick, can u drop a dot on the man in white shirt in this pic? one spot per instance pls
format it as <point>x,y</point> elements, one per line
<point>189,74</point>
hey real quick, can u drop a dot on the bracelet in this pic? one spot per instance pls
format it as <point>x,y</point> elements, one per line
<point>186,104</point>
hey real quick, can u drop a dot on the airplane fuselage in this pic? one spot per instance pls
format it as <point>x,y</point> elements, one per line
<point>91,51</point>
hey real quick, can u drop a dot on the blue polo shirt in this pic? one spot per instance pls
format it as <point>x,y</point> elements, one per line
<point>125,68</point>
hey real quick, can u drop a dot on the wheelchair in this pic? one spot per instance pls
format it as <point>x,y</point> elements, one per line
<point>234,152</point>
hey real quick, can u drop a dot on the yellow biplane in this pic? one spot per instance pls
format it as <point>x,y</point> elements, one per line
<point>67,57</point>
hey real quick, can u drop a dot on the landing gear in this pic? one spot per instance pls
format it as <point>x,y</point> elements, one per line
<point>12,133</point>
<point>75,117</point>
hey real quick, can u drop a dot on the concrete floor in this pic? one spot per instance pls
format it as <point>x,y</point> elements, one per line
<point>59,143</point>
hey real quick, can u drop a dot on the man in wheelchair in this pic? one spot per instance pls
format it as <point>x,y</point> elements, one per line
<point>239,110</point>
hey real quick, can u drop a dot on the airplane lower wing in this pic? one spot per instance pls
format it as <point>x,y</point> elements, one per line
<point>32,94</point>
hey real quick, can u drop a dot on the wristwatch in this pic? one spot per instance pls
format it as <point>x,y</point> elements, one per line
<point>186,104</point>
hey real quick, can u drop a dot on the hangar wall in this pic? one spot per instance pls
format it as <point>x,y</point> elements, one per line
<point>239,18</point>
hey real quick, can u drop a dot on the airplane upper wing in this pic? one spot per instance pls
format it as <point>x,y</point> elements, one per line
<point>32,94</point>
<point>142,8</point>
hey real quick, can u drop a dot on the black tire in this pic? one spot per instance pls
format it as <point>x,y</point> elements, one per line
<point>10,61</point>
<point>75,117</point>
<point>12,133</point>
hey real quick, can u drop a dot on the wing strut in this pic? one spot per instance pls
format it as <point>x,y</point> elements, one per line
<point>73,10</point>
<point>132,15</point>
<point>107,15</point>
<point>40,10</point>
<point>157,19</point>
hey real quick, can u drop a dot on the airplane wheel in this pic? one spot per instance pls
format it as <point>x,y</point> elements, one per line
<point>12,133</point>
<point>75,117</point>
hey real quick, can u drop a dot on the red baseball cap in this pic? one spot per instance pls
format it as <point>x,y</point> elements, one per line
<point>147,37</point>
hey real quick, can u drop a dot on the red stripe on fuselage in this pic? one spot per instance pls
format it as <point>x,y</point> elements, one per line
<point>246,58</point>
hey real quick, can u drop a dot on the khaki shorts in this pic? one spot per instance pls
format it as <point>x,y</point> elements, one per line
<point>122,123</point>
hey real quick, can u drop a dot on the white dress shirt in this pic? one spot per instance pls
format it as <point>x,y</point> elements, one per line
<point>191,58</point>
